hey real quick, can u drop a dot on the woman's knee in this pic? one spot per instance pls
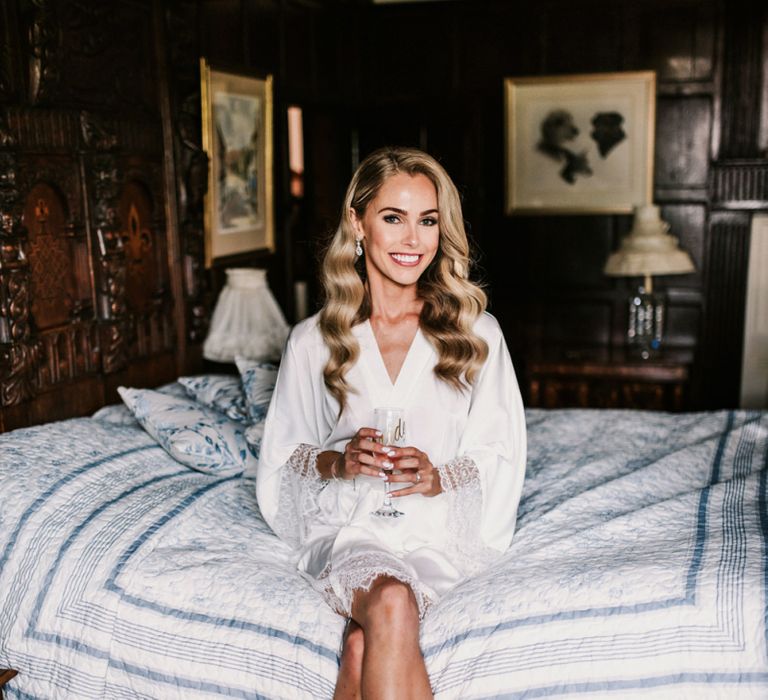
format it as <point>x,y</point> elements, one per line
<point>392,602</point>
<point>354,643</point>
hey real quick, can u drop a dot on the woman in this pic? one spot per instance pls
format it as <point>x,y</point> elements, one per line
<point>402,326</point>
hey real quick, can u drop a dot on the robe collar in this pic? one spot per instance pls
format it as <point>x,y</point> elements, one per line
<point>383,392</point>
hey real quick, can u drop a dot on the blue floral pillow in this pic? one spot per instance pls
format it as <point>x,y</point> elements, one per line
<point>258,383</point>
<point>220,391</point>
<point>196,436</point>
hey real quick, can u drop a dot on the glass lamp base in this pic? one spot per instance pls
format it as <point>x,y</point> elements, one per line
<point>646,324</point>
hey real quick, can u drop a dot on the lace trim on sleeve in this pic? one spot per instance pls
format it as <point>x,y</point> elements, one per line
<point>300,486</point>
<point>460,480</point>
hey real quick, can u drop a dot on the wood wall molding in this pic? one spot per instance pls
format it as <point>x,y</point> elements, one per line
<point>739,184</point>
<point>722,335</point>
<point>188,163</point>
<point>743,61</point>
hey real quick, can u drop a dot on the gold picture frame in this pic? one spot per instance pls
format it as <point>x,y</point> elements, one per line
<point>579,144</point>
<point>237,116</point>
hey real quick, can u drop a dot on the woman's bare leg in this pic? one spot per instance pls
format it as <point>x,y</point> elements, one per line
<point>393,667</point>
<point>348,685</point>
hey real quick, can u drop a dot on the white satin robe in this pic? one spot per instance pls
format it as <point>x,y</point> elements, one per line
<point>476,438</point>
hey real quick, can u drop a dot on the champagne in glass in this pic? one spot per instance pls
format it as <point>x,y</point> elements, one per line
<point>391,423</point>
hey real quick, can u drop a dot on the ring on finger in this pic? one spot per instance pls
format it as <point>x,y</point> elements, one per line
<point>418,477</point>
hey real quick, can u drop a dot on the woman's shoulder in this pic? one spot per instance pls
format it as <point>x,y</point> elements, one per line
<point>306,333</point>
<point>488,328</point>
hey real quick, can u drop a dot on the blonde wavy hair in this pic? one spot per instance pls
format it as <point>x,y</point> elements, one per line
<point>452,303</point>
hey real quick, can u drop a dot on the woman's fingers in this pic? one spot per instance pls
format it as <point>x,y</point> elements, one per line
<point>380,462</point>
<point>371,446</point>
<point>402,452</point>
<point>406,463</point>
<point>365,455</point>
<point>405,475</point>
<point>427,485</point>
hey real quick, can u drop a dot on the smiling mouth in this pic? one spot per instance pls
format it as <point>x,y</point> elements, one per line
<point>406,259</point>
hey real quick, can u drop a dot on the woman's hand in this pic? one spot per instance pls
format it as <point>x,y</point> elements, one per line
<point>364,455</point>
<point>416,469</point>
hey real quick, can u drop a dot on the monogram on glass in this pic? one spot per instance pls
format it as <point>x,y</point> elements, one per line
<point>391,423</point>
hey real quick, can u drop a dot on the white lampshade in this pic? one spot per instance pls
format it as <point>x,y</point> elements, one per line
<point>247,322</point>
<point>648,249</point>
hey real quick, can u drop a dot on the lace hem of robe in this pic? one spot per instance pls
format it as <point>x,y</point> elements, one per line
<point>460,480</point>
<point>338,584</point>
<point>300,486</point>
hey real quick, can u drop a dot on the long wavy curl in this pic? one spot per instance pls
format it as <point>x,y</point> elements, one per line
<point>452,303</point>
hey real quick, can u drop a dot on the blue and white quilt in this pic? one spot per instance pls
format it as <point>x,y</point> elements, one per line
<point>638,571</point>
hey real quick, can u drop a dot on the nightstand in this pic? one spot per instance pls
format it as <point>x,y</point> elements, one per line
<point>653,385</point>
<point>5,675</point>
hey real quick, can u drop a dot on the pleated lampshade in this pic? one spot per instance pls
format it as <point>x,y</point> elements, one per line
<point>648,249</point>
<point>247,322</point>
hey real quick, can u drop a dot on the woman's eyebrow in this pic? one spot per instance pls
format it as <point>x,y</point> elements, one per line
<point>405,213</point>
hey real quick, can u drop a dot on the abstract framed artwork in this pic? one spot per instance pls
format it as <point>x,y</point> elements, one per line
<point>579,144</point>
<point>237,136</point>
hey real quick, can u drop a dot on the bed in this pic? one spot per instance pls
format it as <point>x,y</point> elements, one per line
<point>639,569</point>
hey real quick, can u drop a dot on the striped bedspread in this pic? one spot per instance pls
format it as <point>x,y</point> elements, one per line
<point>638,570</point>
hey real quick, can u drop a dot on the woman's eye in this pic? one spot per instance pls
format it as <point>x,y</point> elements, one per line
<point>392,218</point>
<point>429,221</point>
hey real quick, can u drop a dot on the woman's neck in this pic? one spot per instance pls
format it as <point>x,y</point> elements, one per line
<point>391,302</point>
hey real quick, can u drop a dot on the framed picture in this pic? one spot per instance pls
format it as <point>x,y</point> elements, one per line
<point>237,136</point>
<point>579,144</point>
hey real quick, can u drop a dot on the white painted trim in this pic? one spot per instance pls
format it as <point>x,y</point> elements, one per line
<point>754,373</point>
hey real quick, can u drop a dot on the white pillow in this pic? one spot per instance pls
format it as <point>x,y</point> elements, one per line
<point>196,436</point>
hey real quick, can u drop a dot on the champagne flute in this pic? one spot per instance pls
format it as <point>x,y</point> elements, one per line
<point>391,423</point>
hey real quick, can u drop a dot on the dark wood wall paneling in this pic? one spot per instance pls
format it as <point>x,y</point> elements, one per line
<point>430,75</point>
<point>426,74</point>
<point>90,281</point>
<point>294,40</point>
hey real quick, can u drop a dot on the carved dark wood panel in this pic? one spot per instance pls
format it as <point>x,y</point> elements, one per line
<point>148,297</point>
<point>85,299</point>
<point>53,285</point>
<point>10,87</point>
<point>68,353</point>
<point>90,53</point>
<point>19,350</point>
<point>191,163</point>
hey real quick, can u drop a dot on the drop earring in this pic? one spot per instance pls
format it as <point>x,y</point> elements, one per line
<point>359,247</point>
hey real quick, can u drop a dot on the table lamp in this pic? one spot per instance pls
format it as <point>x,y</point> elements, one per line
<point>246,322</point>
<point>648,250</point>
